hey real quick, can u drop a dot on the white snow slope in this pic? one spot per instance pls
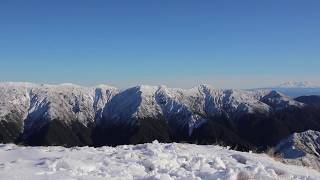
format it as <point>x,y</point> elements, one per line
<point>146,161</point>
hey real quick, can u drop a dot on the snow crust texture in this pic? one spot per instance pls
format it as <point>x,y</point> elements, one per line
<point>145,161</point>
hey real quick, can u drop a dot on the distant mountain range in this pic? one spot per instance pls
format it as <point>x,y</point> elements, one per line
<point>296,88</point>
<point>298,84</point>
<point>72,115</point>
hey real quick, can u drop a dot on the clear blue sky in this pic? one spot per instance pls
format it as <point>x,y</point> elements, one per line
<point>180,43</point>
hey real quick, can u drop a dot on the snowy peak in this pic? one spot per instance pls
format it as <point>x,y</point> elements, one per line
<point>298,84</point>
<point>280,101</point>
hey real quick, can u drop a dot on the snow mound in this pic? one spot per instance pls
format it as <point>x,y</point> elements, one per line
<point>145,161</point>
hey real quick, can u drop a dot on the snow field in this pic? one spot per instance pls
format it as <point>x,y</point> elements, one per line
<point>143,162</point>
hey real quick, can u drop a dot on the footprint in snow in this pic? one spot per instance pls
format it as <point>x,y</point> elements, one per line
<point>239,158</point>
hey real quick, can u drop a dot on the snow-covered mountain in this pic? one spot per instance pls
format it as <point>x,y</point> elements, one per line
<point>189,105</point>
<point>279,101</point>
<point>68,114</point>
<point>301,149</point>
<point>33,106</point>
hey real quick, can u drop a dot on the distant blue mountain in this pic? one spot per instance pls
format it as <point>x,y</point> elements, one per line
<point>296,88</point>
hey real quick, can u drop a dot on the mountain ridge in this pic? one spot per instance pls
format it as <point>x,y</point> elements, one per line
<point>72,115</point>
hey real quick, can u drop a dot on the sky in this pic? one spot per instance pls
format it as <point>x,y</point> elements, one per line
<point>179,43</point>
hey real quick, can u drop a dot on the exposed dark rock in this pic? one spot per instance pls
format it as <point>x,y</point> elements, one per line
<point>9,131</point>
<point>310,100</point>
<point>56,132</point>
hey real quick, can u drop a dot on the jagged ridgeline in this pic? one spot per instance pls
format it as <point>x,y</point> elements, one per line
<point>72,115</point>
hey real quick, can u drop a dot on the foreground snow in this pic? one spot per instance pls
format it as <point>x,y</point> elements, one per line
<point>147,161</point>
